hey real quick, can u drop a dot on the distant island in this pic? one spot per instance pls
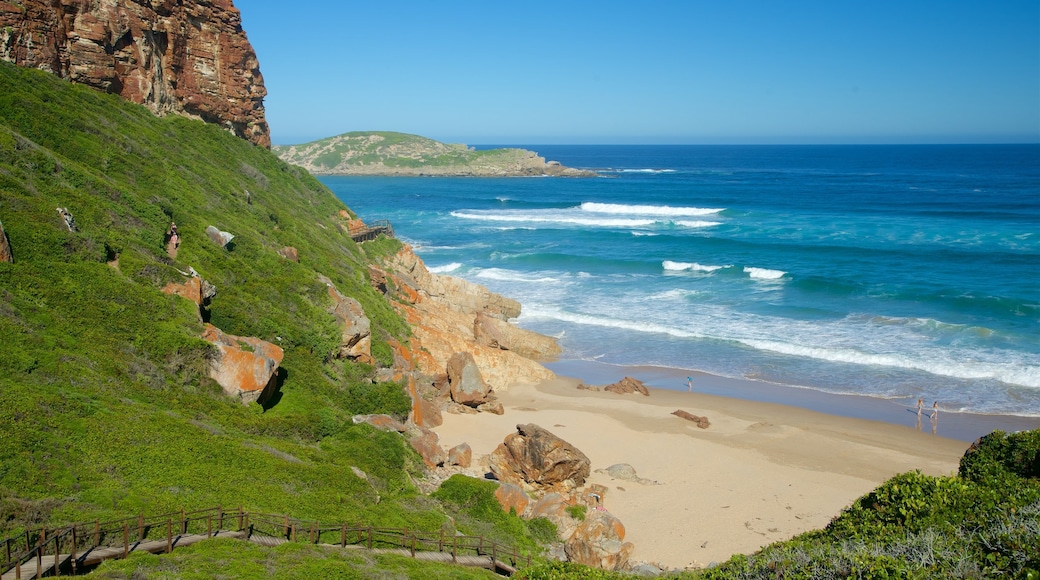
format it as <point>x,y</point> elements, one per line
<point>389,153</point>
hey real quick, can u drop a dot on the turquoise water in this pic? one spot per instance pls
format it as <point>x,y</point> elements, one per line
<point>888,271</point>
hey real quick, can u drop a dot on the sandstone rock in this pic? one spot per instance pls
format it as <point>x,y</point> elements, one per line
<point>628,385</point>
<point>427,443</point>
<point>701,422</point>
<point>189,57</point>
<point>497,333</point>
<point>599,542</point>
<point>553,507</point>
<point>195,289</point>
<point>494,407</point>
<point>219,237</point>
<point>6,255</point>
<point>534,458</point>
<point>381,422</point>
<point>344,214</point>
<point>460,455</point>
<point>512,498</point>
<point>290,253</point>
<point>584,387</point>
<point>245,367</point>
<point>467,386</point>
<point>356,329</point>
<point>424,413</point>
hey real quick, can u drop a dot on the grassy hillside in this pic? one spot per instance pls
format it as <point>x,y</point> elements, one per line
<point>384,152</point>
<point>105,404</point>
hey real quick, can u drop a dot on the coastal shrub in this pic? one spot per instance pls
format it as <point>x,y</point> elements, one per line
<point>478,513</point>
<point>556,570</point>
<point>577,512</point>
<point>1000,455</point>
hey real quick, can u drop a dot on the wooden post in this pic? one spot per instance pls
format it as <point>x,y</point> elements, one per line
<point>57,548</point>
<point>97,533</point>
<point>73,557</point>
<point>240,526</point>
<point>169,536</point>
<point>184,522</point>
<point>247,525</point>
<point>480,549</point>
<point>220,518</point>
<point>286,526</point>
<point>454,548</point>
<point>359,536</point>
<point>39,551</point>
<point>413,544</point>
<point>369,537</point>
<point>7,543</point>
<point>440,544</point>
<point>310,534</point>
<point>209,525</point>
<point>292,538</point>
<point>126,539</point>
<point>140,527</point>
<point>343,536</point>
<point>494,554</point>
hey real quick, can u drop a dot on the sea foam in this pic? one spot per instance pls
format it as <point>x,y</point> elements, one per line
<point>691,266</point>
<point>445,268</point>
<point>764,273</point>
<point>655,210</point>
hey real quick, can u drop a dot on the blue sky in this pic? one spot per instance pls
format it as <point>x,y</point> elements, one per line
<point>733,71</point>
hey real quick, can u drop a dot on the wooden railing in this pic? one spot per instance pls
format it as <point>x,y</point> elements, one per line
<point>372,231</point>
<point>77,547</point>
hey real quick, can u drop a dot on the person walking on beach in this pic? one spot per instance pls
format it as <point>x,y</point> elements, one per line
<point>920,408</point>
<point>935,417</point>
<point>689,384</point>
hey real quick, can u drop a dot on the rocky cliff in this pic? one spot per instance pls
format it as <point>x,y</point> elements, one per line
<point>174,56</point>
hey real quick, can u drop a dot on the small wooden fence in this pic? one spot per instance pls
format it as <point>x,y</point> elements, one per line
<point>78,548</point>
<point>372,231</point>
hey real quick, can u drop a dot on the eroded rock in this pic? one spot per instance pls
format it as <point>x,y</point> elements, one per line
<point>356,328</point>
<point>598,541</point>
<point>245,367</point>
<point>221,238</point>
<point>628,385</point>
<point>701,422</point>
<point>534,458</point>
<point>512,498</point>
<point>427,443</point>
<point>6,255</point>
<point>460,455</point>
<point>174,56</point>
<point>464,379</point>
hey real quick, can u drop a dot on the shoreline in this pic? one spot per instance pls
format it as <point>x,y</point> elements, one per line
<point>901,412</point>
<point>762,472</point>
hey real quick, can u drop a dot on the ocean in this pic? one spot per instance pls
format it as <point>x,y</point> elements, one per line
<point>894,272</point>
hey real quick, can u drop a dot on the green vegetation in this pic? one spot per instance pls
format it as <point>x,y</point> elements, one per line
<point>242,560</point>
<point>478,513</point>
<point>382,151</point>
<point>577,512</point>
<point>106,406</point>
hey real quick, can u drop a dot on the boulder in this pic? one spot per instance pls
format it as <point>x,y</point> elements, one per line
<point>424,413</point>
<point>584,387</point>
<point>460,455</point>
<point>493,406</point>
<point>245,367</point>
<point>534,458</point>
<point>220,238</point>
<point>553,507</point>
<point>628,385</point>
<point>598,541</point>
<point>427,443</point>
<point>6,255</point>
<point>67,219</point>
<point>195,289</point>
<point>355,327</point>
<point>464,379</point>
<point>290,253</point>
<point>512,498</point>
<point>701,422</point>
<point>381,422</point>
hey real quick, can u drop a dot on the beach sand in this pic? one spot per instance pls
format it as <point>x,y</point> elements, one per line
<point>762,471</point>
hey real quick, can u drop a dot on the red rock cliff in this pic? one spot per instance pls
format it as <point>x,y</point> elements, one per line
<point>182,56</point>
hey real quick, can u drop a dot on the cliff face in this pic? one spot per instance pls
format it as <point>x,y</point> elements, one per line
<point>174,56</point>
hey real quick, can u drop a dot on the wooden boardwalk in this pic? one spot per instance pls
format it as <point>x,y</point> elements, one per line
<point>79,548</point>
<point>373,231</point>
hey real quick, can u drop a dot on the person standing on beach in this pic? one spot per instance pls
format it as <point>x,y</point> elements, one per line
<point>920,408</point>
<point>689,384</point>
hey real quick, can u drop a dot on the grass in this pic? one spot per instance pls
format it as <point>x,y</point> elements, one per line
<point>106,406</point>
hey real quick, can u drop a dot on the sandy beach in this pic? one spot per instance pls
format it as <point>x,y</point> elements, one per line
<point>761,472</point>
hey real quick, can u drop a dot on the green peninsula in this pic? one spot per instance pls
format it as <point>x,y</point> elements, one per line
<point>388,153</point>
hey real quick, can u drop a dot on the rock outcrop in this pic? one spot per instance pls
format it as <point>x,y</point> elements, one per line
<point>6,255</point>
<point>534,458</point>
<point>174,56</point>
<point>599,542</point>
<point>245,367</point>
<point>701,422</point>
<point>356,328</point>
<point>195,289</point>
<point>464,381</point>
<point>443,313</point>
<point>628,385</point>
<point>512,498</point>
<point>221,238</point>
